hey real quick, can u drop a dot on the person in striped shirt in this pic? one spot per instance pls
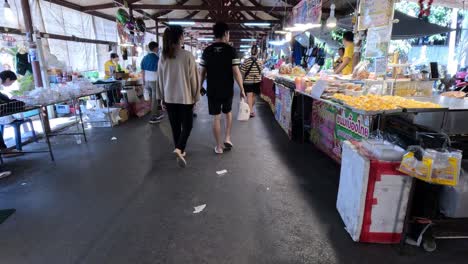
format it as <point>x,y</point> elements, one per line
<point>252,73</point>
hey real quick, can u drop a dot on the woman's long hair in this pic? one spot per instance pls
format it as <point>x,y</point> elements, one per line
<point>254,50</point>
<point>171,39</point>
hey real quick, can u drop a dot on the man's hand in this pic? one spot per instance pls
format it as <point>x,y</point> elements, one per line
<point>242,94</point>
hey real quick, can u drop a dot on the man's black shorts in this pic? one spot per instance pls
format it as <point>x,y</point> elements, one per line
<point>216,105</point>
<point>252,88</point>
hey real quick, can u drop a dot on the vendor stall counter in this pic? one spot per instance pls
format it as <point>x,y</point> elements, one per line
<point>267,89</point>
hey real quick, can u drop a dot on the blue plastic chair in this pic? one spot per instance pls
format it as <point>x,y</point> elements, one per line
<point>17,127</point>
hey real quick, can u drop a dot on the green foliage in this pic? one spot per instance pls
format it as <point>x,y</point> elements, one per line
<point>402,46</point>
<point>26,84</point>
<point>11,51</point>
<point>337,34</point>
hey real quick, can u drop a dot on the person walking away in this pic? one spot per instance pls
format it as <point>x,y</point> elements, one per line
<point>346,66</point>
<point>220,66</point>
<point>252,72</point>
<point>112,66</point>
<point>149,68</point>
<point>178,82</point>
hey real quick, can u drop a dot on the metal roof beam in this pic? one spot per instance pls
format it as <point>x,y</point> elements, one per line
<point>212,8</point>
<point>228,21</point>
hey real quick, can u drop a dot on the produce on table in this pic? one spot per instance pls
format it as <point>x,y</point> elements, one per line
<point>285,69</point>
<point>380,103</point>
<point>411,103</point>
<point>298,71</point>
<point>455,94</point>
<point>288,70</point>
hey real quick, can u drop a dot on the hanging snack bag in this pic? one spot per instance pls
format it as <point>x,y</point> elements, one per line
<point>418,163</point>
<point>446,169</point>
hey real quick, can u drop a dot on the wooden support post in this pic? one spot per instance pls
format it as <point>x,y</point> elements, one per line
<point>157,30</point>
<point>34,57</point>
<point>28,24</point>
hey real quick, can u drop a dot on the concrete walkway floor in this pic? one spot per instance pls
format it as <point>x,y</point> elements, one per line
<point>126,201</point>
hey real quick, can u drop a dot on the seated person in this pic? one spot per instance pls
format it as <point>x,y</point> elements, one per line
<point>112,66</point>
<point>338,61</point>
<point>7,78</point>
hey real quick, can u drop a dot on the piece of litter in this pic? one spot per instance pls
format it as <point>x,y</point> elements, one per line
<point>198,209</point>
<point>113,138</point>
<point>221,172</point>
<point>268,188</point>
<point>5,174</point>
<point>23,183</point>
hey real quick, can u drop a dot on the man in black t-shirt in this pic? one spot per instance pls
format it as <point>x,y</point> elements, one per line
<point>220,66</point>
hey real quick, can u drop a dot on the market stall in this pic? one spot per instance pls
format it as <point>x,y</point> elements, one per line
<point>368,120</point>
<point>267,90</point>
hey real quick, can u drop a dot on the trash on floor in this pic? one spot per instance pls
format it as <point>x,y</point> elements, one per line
<point>113,138</point>
<point>23,184</point>
<point>198,209</point>
<point>221,172</point>
<point>5,174</point>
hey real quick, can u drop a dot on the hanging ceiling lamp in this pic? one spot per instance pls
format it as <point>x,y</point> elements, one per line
<point>6,4</point>
<point>181,23</point>
<point>331,21</point>
<point>7,12</point>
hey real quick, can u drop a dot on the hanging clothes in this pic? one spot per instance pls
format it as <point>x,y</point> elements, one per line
<point>321,57</point>
<point>22,63</point>
<point>298,50</point>
<point>309,58</point>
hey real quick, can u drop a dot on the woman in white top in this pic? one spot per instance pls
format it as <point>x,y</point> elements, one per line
<point>179,85</point>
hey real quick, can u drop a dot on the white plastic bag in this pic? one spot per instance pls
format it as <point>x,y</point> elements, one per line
<point>244,111</point>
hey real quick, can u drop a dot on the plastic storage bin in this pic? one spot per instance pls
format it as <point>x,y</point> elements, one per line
<point>62,109</point>
<point>454,200</point>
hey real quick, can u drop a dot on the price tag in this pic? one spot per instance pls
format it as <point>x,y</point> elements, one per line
<point>318,89</point>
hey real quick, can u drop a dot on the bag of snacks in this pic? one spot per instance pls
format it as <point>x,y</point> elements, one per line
<point>433,166</point>
<point>417,163</point>
<point>446,168</point>
<point>360,72</point>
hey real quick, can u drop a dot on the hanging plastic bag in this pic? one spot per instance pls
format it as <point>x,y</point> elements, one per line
<point>417,163</point>
<point>447,167</point>
<point>244,111</point>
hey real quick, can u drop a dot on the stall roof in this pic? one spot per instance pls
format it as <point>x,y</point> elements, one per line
<point>235,12</point>
<point>203,12</point>
<point>406,28</point>
<point>412,27</point>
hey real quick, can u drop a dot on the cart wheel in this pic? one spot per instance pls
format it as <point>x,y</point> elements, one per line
<point>429,244</point>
